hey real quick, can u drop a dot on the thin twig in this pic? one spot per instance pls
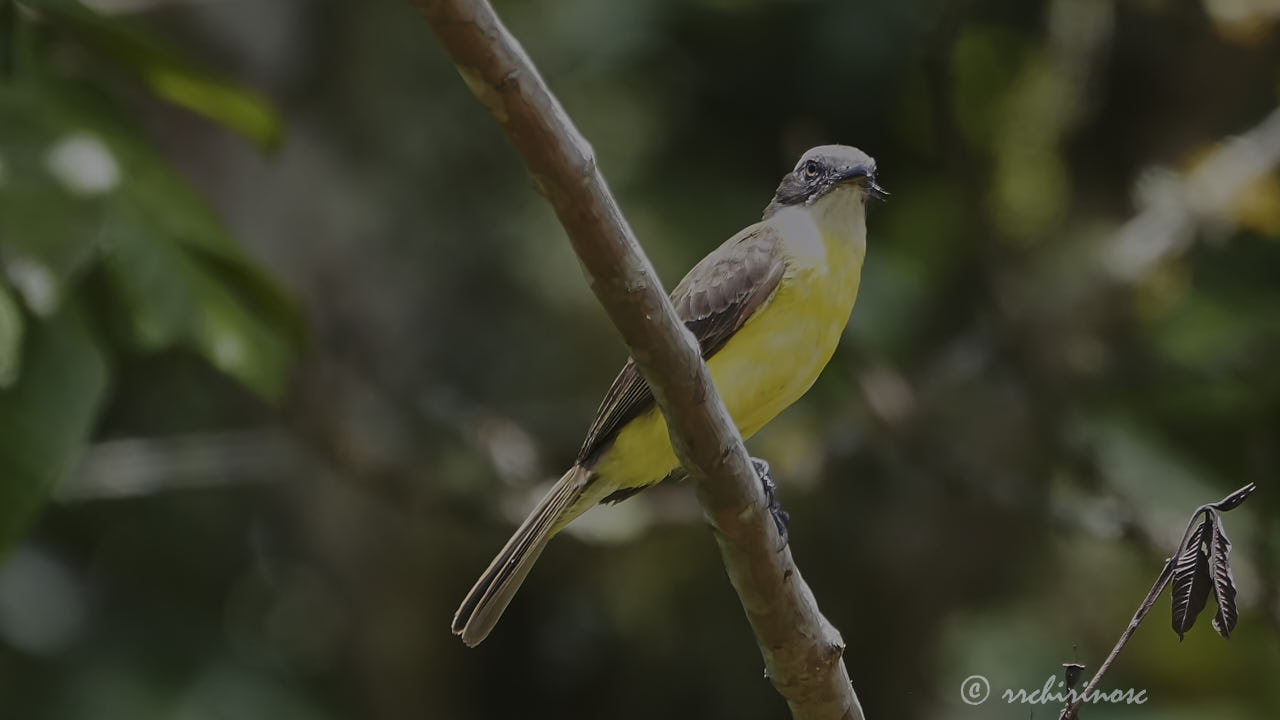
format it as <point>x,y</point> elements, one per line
<point>1072,709</point>
<point>802,651</point>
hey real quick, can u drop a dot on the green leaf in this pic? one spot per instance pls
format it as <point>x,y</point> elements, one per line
<point>170,75</point>
<point>48,226</point>
<point>183,279</point>
<point>46,418</point>
<point>175,299</point>
<point>10,338</point>
<point>238,108</point>
<point>186,282</point>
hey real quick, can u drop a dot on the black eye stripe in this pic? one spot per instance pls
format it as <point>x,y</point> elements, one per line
<point>820,172</point>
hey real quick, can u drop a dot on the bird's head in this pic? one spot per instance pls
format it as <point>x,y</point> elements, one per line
<point>825,171</point>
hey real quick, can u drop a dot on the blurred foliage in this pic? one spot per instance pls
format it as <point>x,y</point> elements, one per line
<point>106,253</point>
<point>1065,341</point>
<point>47,415</point>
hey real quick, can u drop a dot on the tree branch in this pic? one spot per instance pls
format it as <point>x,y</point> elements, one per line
<point>802,651</point>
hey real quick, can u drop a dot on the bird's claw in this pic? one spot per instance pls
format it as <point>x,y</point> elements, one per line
<point>781,518</point>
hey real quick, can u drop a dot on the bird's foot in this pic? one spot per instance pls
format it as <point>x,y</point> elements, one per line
<point>781,518</point>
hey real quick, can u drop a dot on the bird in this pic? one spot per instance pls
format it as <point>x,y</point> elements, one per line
<point>767,307</point>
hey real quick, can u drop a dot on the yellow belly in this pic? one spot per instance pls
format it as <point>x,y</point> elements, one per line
<point>764,368</point>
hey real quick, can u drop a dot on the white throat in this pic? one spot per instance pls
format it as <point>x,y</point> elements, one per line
<point>834,223</point>
<point>841,213</point>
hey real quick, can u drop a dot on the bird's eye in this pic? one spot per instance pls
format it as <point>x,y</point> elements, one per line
<point>812,170</point>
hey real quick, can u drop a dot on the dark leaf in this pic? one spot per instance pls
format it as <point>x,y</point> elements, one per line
<point>1224,587</point>
<point>1233,501</point>
<point>1072,673</point>
<point>8,20</point>
<point>1191,577</point>
<point>46,417</point>
<point>10,337</point>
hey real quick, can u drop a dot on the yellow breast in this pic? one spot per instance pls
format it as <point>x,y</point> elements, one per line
<point>777,355</point>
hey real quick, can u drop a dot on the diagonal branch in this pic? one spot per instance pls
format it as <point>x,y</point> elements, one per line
<point>802,651</point>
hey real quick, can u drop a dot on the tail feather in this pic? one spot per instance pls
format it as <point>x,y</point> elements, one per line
<point>489,597</point>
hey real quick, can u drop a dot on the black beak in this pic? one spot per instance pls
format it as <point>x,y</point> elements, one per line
<point>856,172</point>
<point>875,191</point>
<point>868,178</point>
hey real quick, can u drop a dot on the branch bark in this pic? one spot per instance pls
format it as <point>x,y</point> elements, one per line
<point>802,650</point>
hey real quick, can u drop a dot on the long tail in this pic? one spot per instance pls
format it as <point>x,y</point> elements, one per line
<point>483,606</point>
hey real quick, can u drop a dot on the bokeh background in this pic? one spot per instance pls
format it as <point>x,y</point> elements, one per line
<point>288,343</point>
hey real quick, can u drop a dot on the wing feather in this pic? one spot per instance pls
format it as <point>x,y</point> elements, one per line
<point>713,300</point>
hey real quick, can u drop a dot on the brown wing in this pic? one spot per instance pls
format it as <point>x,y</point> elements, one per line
<point>713,300</point>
